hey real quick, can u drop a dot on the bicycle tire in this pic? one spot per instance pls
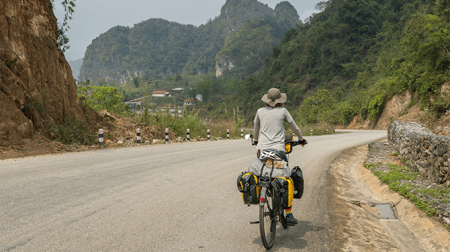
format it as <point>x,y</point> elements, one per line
<point>267,222</point>
<point>283,219</point>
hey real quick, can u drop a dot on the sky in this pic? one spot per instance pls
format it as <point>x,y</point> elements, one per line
<point>94,17</point>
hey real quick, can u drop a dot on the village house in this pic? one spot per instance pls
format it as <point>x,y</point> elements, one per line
<point>176,91</point>
<point>138,104</point>
<point>160,93</point>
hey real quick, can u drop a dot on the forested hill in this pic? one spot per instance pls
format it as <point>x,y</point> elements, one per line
<point>352,57</point>
<point>238,40</point>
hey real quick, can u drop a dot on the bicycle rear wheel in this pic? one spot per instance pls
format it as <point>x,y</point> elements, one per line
<point>267,221</point>
<point>283,219</point>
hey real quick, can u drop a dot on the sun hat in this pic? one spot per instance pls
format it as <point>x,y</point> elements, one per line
<point>274,96</point>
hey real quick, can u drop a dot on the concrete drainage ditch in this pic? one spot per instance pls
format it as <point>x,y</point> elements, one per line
<point>379,210</point>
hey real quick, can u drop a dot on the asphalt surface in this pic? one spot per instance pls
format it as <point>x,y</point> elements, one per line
<point>175,197</point>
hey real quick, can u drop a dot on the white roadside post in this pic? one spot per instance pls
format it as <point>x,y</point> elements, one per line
<point>138,136</point>
<point>242,133</point>
<point>228,134</point>
<point>327,131</point>
<point>167,135</point>
<point>100,137</point>
<point>294,137</point>
<point>188,137</point>
<point>208,134</point>
<point>311,132</point>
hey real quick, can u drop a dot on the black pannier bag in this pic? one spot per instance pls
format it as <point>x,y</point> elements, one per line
<point>283,190</point>
<point>247,184</point>
<point>299,183</point>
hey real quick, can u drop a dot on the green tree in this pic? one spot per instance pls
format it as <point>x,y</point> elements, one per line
<point>424,64</point>
<point>63,40</point>
<point>317,108</point>
<point>136,81</point>
<point>103,97</point>
<point>178,78</point>
<point>204,88</point>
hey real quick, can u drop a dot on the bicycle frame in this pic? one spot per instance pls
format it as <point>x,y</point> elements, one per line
<point>272,210</point>
<point>264,185</point>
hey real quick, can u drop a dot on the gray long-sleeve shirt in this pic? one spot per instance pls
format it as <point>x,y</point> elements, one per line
<point>269,127</point>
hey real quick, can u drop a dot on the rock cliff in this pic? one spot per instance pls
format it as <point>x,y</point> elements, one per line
<point>37,90</point>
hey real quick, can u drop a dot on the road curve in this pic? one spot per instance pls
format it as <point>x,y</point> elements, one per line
<point>176,197</point>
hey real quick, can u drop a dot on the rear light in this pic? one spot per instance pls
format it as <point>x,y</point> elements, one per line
<point>262,199</point>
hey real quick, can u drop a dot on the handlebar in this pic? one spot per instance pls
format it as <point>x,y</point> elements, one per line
<point>303,142</point>
<point>294,143</point>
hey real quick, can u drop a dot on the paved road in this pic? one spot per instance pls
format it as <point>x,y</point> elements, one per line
<point>177,197</point>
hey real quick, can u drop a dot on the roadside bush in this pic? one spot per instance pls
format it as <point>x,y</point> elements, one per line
<point>194,122</point>
<point>318,129</point>
<point>100,98</point>
<point>73,132</point>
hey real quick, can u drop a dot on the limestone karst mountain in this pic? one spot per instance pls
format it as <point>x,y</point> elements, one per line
<point>240,37</point>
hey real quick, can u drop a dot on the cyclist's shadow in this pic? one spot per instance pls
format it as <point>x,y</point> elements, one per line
<point>291,238</point>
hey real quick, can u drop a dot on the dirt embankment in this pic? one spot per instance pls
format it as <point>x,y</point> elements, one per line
<point>396,108</point>
<point>399,108</point>
<point>118,131</point>
<point>37,90</point>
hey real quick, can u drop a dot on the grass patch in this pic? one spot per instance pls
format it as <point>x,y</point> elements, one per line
<point>396,173</point>
<point>447,226</point>
<point>370,166</point>
<point>401,180</point>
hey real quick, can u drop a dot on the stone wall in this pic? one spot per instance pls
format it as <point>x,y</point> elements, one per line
<point>423,151</point>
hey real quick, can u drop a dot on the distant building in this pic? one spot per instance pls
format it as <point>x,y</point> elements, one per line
<point>177,91</point>
<point>199,97</point>
<point>160,93</point>
<point>138,104</point>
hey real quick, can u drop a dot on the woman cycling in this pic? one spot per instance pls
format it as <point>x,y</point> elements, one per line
<point>269,129</point>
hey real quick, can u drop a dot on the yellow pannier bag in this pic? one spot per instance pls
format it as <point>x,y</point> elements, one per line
<point>284,191</point>
<point>247,184</point>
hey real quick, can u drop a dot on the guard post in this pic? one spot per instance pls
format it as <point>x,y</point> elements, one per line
<point>138,137</point>
<point>167,136</point>
<point>100,137</point>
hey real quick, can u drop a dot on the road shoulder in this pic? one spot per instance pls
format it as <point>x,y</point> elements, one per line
<point>353,190</point>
